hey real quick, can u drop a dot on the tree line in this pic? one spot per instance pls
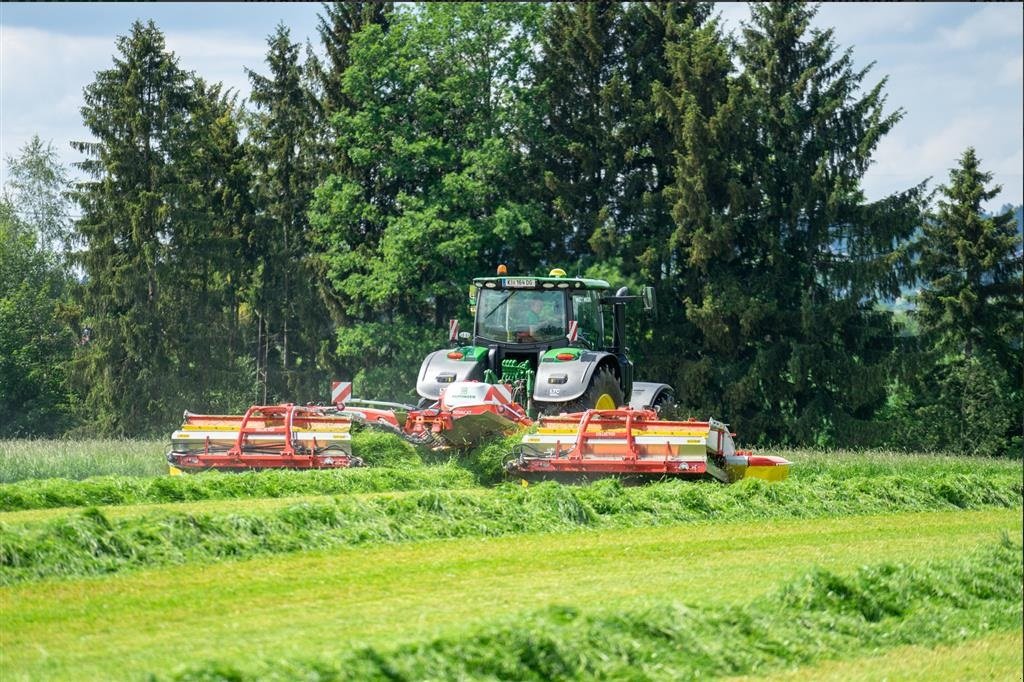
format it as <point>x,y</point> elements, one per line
<point>226,252</point>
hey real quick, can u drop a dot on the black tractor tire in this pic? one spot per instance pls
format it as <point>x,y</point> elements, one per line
<point>666,406</point>
<point>603,383</point>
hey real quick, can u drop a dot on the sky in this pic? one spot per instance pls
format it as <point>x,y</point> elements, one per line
<point>955,69</point>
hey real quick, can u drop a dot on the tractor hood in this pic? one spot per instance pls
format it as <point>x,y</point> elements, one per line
<point>442,368</point>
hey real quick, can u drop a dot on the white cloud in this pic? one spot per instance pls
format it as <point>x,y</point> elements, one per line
<point>1013,71</point>
<point>219,56</point>
<point>859,23</point>
<point>990,22</point>
<point>901,162</point>
<point>43,74</point>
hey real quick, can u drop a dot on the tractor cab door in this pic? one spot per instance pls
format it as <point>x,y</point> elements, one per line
<point>587,311</point>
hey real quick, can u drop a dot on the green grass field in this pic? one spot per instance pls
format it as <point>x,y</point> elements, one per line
<point>861,566</point>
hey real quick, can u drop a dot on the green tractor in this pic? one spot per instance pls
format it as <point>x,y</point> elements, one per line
<point>545,337</point>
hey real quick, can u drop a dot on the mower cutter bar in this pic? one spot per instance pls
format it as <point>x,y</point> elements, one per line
<point>636,445</point>
<point>267,436</point>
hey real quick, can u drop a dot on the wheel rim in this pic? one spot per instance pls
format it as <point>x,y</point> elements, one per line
<point>605,402</point>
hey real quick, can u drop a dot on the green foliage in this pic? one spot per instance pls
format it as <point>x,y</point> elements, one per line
<point>90,543</point>
<point>36,342</point>
<point>281,153</point>
<point>428,194</point>
<point>427,143</point>
<point>961,388</point>
<point>787,257</point>
<point>38,185</point>
<point>820,615</point>
<point>972,300</point>
<point>965,405</point>
<point>164,218</point>
<point>337,25</point>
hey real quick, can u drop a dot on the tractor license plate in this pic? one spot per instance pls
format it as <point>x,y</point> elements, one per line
<point>519,283</point>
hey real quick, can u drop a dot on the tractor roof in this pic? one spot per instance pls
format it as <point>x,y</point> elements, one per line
<point>531,282</point>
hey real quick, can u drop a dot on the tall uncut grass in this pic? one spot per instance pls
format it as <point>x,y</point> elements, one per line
<point>88,542</point>
<point>820,615</point>
<point>27,459</point>
<point>77,460</point>
<point>811,464</point>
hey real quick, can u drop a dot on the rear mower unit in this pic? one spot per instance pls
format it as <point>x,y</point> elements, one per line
<point>636,446</point>
<point>267,436</point>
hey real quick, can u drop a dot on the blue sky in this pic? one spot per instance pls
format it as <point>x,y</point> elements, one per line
<point>955,69</point>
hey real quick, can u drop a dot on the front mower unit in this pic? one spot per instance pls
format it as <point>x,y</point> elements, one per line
<point>636,446</point>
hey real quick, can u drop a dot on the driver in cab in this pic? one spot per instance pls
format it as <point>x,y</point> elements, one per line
<point>528,317</point>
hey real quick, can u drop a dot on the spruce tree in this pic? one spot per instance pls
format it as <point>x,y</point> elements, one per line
<point>961,389</point>
<point>791,261</point>
<point>158,254</point>
<point>972,296</point>
<point>581,92</point>
<point>336,26</point>
<point>281,141</point>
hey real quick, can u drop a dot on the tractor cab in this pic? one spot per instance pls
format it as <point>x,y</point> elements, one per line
<point>544,336</point>
<point>528,311</point>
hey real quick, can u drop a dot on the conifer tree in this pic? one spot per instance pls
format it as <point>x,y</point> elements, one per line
<point>961,388</point>
<point>291,316</point>
<point>792,259</point>
<point>581,93</point>
<point>972,296</point>
<point>336,26</point>
<point>155,244</point>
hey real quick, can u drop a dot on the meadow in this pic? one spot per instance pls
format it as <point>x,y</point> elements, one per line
<point>423,567</point>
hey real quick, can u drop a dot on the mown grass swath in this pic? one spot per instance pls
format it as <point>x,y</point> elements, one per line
<point>123,490</point>
<point>404,470</point>
<point>392,464</point>
<point>88,542</point>
<point>820,615</point>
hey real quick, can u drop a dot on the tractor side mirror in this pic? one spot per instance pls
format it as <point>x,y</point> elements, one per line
<point>648,298</point>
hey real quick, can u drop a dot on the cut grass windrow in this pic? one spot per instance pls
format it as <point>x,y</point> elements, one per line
<point>819,616</point>
<point>125,490</point>
<point>998,656</point>
<point>403,470</point>
<point>89,543</point>
<point>335,601</point>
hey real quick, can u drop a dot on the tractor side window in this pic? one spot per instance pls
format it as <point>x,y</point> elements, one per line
<point>587,312</point>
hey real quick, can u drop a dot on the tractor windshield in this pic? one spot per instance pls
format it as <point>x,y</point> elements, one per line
<point>520,316</point>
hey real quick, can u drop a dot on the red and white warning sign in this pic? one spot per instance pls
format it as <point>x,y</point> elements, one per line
<point>453,330</point>
<point>340,391</point>
<point>573,331</point>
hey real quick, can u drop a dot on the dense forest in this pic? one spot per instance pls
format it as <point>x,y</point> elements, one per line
<point>220,251</point>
